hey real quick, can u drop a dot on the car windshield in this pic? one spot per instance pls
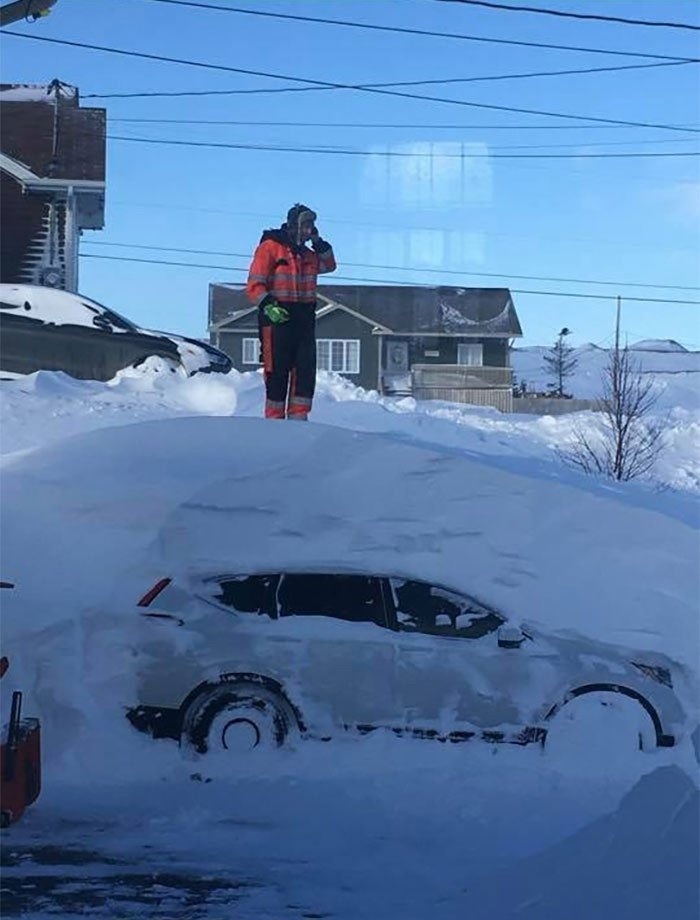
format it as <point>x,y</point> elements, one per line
<point>114,319</point>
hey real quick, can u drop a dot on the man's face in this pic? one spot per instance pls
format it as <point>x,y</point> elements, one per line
<point>306,230</point>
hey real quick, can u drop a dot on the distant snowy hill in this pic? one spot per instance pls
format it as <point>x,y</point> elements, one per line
<point>668,345</point>
<point>676,369</point>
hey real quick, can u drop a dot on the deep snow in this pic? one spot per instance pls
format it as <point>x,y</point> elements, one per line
<point>95,487</point>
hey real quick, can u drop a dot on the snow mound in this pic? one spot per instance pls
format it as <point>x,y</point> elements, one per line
<point>664,345</point>
<point>640,861</point>
<point>110,511</point>
<point>104,483</point>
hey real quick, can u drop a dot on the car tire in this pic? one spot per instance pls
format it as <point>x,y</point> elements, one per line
<point>238,720</point>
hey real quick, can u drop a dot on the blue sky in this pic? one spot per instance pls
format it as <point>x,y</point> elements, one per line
<point>448,210</point>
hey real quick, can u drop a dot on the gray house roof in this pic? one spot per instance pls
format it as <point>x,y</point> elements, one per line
<point>400,309</point>
<point>431,310</point>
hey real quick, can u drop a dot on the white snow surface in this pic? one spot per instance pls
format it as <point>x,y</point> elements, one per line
<point>52,305</point>
<point>663,345</point>
<point>105,484</point>
<point>34,93</point>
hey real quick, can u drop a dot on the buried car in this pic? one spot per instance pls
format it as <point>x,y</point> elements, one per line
<point>47,329</point>
<point>234,662</point>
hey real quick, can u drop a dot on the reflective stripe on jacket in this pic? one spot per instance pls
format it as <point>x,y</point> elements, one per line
<point>288,275</point>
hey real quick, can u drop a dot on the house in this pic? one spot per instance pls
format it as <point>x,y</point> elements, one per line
<point>52,182</point>
<point>431,342</point>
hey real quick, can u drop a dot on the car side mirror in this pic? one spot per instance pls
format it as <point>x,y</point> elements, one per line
<point>510,636</point>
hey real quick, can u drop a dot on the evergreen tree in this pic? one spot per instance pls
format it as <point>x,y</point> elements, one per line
<point>560,362</point>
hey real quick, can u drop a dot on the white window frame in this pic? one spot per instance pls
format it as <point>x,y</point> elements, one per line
<point>349,366</point>
<point>462,346</point>
<point>255,345</point>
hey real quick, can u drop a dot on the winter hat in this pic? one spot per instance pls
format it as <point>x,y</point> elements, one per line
<point>296,216</point>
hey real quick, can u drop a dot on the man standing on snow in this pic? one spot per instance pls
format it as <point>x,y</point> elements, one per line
<point>282,284</point>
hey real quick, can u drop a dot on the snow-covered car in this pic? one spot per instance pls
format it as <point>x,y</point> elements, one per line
<point>47,329</point>
<point>230,662</point>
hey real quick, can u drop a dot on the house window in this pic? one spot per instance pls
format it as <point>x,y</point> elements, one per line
<point>470,355</point>
<point>339,355</point>
<point>251,351</point>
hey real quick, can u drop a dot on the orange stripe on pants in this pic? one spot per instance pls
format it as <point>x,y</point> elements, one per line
<point>268,363</point>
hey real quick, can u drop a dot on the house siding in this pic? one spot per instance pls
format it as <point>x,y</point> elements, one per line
<point>28,136</point>
<point>39,231</point>
<point>341,325</point>
<point>231,342</point>
<point>25,240</point>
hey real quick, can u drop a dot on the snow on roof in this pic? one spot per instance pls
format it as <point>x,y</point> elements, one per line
<point>33,92</point>
<point>17,169</point>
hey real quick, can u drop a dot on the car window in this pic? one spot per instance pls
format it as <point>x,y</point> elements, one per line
<point>9,306</point>
<point>246,593</point>
<point>109,317</point>
<point>357,598</point>
<point>421,607</point>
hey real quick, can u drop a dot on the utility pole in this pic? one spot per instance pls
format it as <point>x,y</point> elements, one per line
<point>616,377</point>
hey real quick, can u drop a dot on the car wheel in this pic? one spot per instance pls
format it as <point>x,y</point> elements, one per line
<point>238,720</point>
<point>607,724</point>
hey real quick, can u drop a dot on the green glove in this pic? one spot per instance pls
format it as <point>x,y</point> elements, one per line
<point>275,313</point>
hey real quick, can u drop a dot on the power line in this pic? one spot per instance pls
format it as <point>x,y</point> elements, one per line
<point>406,31</point>
<point>371,124</point>
<point>359,88</point>
<point>440,271</point>
<point>450,80</point>
<point>229,268</point>
<point>321,148</point>
<point>571,15</point>
<point>399,153</point>
<point>374,125</point>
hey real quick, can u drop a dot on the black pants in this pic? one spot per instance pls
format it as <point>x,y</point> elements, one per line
<point>289,361</point>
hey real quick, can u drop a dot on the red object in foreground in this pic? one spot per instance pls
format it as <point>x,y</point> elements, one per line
<point>20,763</point>
<point>151,595</point>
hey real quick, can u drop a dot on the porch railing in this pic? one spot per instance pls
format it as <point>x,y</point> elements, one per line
<point>460,377</point>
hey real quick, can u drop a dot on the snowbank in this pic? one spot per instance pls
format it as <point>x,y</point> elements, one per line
<point>105,484</point>
<point>640,861</point>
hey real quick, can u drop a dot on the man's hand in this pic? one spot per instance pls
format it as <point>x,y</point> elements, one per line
<point>318,244</point>
<point>275,313</point>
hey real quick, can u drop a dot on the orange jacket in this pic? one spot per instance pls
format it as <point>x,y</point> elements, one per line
<point>289,275</point>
